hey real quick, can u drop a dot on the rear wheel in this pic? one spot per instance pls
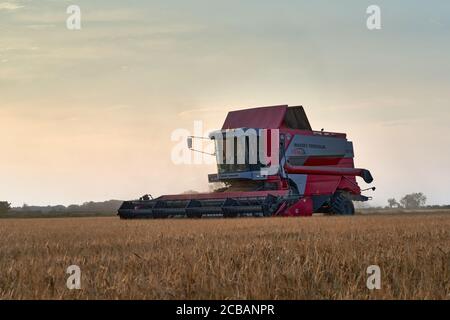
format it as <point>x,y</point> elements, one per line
<point>341,205</point>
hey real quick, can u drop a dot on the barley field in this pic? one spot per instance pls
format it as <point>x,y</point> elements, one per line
<point>259,258</point>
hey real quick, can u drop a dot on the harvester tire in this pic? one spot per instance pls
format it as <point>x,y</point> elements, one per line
<point>341,205</point>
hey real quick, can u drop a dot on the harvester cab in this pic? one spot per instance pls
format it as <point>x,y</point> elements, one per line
<point>270,163</point>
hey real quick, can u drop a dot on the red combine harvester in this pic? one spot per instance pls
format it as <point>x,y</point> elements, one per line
<point>313,171</point>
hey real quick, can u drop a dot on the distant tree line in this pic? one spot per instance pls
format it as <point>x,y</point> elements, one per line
<point>409,201</point>
<point>4,207</point>
<point>109,206</point>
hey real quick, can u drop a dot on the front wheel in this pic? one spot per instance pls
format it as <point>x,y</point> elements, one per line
<point>342,205</point>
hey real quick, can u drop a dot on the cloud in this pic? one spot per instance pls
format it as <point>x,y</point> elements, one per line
<point>9,6</point>
<point>53,15</point>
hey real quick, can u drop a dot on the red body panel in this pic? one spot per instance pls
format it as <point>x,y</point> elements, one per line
<point>320,184</point>
<point>303,207</point>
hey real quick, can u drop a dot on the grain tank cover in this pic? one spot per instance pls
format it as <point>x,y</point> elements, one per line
<point>273,117</point>
<point>295,118</point>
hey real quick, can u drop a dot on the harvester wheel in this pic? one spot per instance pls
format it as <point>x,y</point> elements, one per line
<point>342,205</point>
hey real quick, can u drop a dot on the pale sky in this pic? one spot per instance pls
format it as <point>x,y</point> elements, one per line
<point>88,114</point>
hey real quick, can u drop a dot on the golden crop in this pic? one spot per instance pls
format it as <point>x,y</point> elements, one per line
<point>254,258</point>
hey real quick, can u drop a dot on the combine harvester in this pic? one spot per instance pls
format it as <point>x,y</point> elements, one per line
<point>295,171</point>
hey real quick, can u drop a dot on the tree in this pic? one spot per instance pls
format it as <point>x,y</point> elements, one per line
<point>393,203</point>
<point>413,200</point>
<point>4,207</point>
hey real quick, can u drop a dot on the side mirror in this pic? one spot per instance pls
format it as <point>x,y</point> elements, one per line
<point>189,142</point>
